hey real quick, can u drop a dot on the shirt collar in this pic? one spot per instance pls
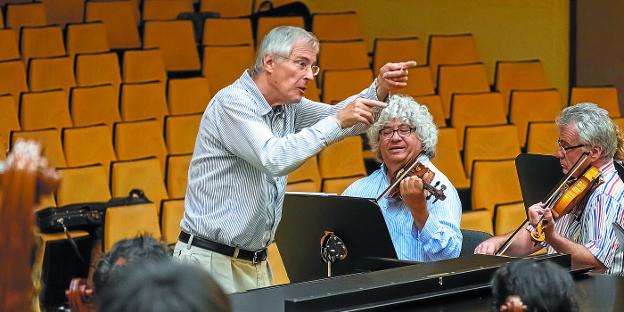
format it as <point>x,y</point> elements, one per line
<point>250,85</point>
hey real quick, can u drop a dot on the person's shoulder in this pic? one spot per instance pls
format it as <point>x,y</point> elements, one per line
<point>360,186</point>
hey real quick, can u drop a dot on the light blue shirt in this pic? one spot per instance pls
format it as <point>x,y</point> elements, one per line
<point>243,152</point>
<point>439,239</point>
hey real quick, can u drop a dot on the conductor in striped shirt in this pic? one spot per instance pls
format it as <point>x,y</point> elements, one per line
<point>586,232</point>
<point>422,229</point>
<point>252,134</point>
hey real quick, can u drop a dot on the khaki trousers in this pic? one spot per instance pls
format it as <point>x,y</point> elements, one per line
<point>233,275</point>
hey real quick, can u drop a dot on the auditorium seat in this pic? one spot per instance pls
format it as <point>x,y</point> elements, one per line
<point>144,174</point>
<point>419,81</point>
<point>90,37</point>
<point>448,158</point>
<point>62,12</point>
<point>120,19</point>
<point>461,78</point>
<point>239,31</point>
<point>20,15</point>
<point>94,105</point>
<point>508,217</point>
<point>9,121</point>
<point>306,178</point>
<point>165,9</point>
<point>340,84</point>
<point>489,106</point>
<point>398,49</point>
<point>41,41</point>
<point>266,23</point>
<point>176,174</point>
<point>336,26</point>
<point>181,131</point>
<point>490,142</point>
<point>227,8</point>
<point>144,65</point>
<point>126,222</point>
<point>341,164</point>
<point>51,73</point>
<point>351,54</point>
<point>188,95</point>
<point>542,137</point>
<point>434,105</point>
<point>519,75</point>
<point>44,109</point>
<point>13,78</point>
<point>477,220</point>
<point>533,105</point>
<point>176,40</point>
<point>9,48</point>
<point>84,184</point>
<point>451,49</point>
<point>312,91</point>
<point>129,145</point>
<point>171,213</point>
<point>604,96</point>
<point>494,182</point>
<point>143,100</point>
<point>221,74</point>
<point>50,138</point>
<point>89,145</point>
<point>98,69</point>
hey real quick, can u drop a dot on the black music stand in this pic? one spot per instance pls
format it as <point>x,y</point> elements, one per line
<point>538,175</point>
<point>306,217</point>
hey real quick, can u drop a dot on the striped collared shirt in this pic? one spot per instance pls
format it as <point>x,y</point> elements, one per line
<point>243,152</point>
<point>439,239</point>
<point>593,228</point>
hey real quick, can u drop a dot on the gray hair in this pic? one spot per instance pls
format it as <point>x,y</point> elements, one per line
<point>593,126</point>
<point>279,41</point>
<point>408,111</point>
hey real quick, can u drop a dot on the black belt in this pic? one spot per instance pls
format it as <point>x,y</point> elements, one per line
<point>253,256</point>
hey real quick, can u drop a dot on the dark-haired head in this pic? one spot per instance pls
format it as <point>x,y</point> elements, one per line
<point>164,287</point>
<point>541,286</point>
<point>140,249</point>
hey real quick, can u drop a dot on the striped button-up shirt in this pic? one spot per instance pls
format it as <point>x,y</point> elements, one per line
<point>439,239</point>
<point>243,152</point>
<point>593,228</point>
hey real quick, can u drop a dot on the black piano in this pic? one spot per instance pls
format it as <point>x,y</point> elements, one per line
<point>370,277</point>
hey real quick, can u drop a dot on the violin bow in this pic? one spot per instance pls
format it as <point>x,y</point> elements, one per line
<point>551,197</point>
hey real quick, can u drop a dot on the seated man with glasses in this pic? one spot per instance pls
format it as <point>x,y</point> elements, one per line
<point>253,133</point>
<point>421,229</point>
<point>586,232</point>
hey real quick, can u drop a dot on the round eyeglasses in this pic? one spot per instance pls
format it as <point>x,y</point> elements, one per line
<point>403,131</point>
<point>303,65</point>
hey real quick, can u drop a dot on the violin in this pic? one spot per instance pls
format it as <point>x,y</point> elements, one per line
<point>513,304</point>
<point>565,196</point>
<point>24,177</point>
<point>418,169</point>
<point>563,202</point>
<point>80,296</point>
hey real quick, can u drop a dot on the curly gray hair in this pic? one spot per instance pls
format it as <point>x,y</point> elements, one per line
<point>408,111</point>
<point>593,125</point>
<point>280,41</point>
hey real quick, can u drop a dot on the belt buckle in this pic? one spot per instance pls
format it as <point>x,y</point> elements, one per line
<point>256,257</point>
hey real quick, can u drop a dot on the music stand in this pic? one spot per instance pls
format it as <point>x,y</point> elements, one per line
<point>306,217</point>
<point>538,175</point>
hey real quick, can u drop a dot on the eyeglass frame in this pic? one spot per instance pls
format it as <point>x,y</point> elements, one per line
<point>303,67</point>
<point>565,149</point>
<point>389,136</point>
